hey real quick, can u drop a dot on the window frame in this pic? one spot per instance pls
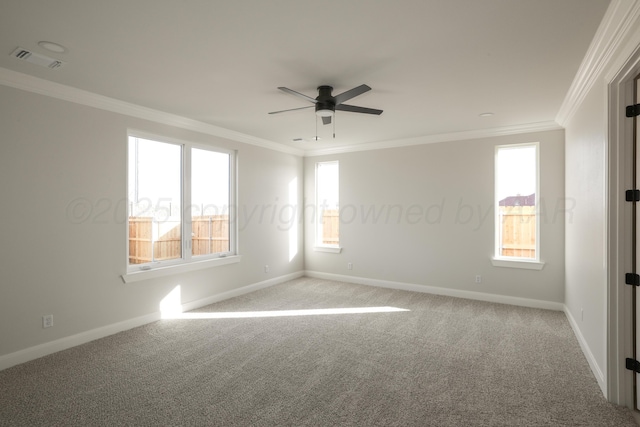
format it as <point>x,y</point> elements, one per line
<point>319,246</point>
<point>187,262</point>
<point>512,261</point>
<point>231,206</point>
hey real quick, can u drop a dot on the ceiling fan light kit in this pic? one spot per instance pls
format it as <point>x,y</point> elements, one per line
<point>324,112</point>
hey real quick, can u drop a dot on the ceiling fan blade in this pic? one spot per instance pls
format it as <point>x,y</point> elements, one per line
<point>354,109</point>
<point>298,94</point>
<point>326,120</point>
<point>292,109</point>
<point>345,96</point>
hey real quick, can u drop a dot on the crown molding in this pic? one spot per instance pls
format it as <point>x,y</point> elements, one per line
<point>630,44</point>
<point>617,24</point>
<point>443,137</point>
<point>67,93</point>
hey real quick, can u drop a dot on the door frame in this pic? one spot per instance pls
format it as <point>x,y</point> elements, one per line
<point>619,178</point>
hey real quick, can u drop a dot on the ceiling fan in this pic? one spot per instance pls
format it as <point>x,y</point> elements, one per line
<point>327,104</point>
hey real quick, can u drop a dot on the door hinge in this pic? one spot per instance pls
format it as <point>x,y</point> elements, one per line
<point>632,279</point>
<point>633,110</point>
<point>632,195</point>
<point>633,365</point>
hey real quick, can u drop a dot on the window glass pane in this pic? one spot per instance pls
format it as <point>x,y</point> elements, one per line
<point>154,195</point>
<point>209,202</point>
<point>516,185</point>
<point>328,204</point>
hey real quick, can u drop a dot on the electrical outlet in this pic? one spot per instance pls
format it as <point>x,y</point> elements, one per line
<point>478,278</point>
<point>266,268</point>
<point>350,266</point>
<point>47,321</point>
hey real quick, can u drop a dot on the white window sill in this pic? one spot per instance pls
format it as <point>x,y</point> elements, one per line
<point>517,263</point>
<point>137,276</point>
<point>329,249</point>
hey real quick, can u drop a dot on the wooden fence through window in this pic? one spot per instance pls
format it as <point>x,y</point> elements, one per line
<point>209,234</point>
<point>518,231</point>
<point>331,227</point>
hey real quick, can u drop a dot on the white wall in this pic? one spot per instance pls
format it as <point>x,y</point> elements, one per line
<point>54,261</point>
<point>591,302</point>
<point>452,184</point>
<point>585,241</point>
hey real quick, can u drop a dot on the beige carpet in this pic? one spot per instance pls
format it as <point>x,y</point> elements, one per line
<point>444,362</point>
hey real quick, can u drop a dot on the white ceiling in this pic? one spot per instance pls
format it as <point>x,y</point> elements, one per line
<point>434,65</point>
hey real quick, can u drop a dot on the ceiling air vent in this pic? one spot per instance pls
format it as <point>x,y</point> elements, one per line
<point>36,58</point>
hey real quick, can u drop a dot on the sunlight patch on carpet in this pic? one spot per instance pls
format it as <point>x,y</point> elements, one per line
<point>280,313</point>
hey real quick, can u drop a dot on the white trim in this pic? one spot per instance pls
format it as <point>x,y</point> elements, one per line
<point>158,137</point>
<point>82,97</point>
<point>616,24</point>
<point>437,290</point>
<point>618,176</point>
<point>595,368</point>
<point>443,137</point>
<point>328,249</point>
<point>41,350</point>
<point>169,270</point>
<point>137,272</point>
<point>241,291</point>
<point>501,299</point>
<point>517,263</point>
<point>45,349</point>
<point>627,40</point>
<point>320,207</point>
<point>67,93</point>
<point>498,259</point>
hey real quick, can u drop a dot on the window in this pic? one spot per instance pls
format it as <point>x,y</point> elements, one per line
<point>327,205</point>
<point>209,202</point>
<point>179,199</point>
<point>517,195</point>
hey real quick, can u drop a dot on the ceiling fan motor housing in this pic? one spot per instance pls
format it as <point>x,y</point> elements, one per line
<point>326,106</point>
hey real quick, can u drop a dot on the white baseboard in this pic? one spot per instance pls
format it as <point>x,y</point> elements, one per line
<point>240,291</point>
<point>41,350</point>
<point>595,368</point>
<point>480,296</point>
<point>524,302</point>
